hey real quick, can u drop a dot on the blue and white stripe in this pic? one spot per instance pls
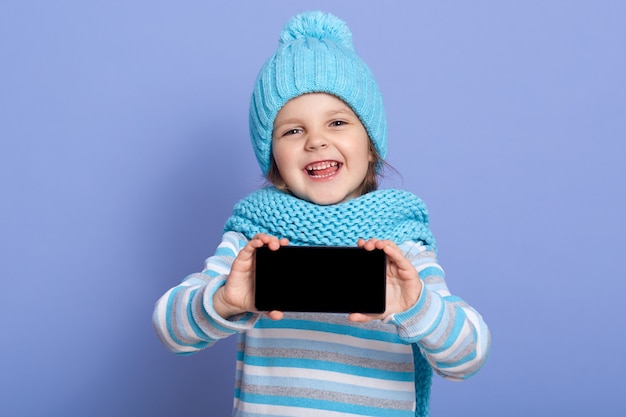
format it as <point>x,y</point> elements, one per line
<point>311,362</point>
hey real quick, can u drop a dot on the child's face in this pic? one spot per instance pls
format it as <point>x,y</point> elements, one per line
<point>321,148</point>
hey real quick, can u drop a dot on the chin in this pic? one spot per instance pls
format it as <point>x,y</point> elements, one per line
<point>327,200</point>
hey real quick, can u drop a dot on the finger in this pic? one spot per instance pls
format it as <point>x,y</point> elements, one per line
<point>363,318</point>
<point>369,244</point>
<point>275,315</point>
<point>270,241</point>
<point>382,244</point>
<point>260,236</point>
<point>274,243</point>
<point>393,252</point>
<point>248,251</point>
<point>256,242</point>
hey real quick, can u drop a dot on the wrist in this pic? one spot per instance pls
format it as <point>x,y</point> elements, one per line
<point>409,296</point>
<point>416,295</point>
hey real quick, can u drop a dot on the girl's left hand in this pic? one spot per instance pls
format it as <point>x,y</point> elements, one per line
<point>404,285</point>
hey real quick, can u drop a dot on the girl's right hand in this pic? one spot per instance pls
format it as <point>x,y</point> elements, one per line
<point>237,295</point>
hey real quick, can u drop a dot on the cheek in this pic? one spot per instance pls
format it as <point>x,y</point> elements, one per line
<point>278,158</point>
<point>276,152</point>
<point>283,156</point>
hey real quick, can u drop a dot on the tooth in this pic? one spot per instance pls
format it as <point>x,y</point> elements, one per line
<point>322,165</point>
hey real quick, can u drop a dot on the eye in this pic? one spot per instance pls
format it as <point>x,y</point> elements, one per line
<point>291,132</point>
<point>337,123</point>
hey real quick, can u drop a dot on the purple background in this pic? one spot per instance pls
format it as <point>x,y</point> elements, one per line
<point>124,145</point>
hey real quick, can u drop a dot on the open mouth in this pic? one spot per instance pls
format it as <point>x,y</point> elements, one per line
<point>322,169</point>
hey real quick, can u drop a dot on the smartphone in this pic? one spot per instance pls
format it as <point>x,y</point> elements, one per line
<point>321,279</point>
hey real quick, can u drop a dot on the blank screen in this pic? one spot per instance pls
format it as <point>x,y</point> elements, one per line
<point>320,279</point>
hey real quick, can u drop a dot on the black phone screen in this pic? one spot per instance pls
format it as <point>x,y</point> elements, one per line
<point>320,279</point>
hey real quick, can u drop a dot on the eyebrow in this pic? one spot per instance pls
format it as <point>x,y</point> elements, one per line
<point>290,120</point>
<point>346,111</point>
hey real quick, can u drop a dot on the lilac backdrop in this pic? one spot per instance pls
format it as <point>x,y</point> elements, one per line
<point>124,145</point>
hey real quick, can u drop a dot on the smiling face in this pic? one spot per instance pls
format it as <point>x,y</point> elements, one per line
<point>321,149</point>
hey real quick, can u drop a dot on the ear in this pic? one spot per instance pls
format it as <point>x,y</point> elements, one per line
<point>371,155</point>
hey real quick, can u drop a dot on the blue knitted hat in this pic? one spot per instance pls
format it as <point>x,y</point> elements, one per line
<point>315,55</point>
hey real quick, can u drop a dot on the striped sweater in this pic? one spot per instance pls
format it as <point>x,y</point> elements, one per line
<point>305,363</point>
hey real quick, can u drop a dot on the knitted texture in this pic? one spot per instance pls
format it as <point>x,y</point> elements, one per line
<point>315,54</point>
<point>384,214</point>
<point>423,382</point>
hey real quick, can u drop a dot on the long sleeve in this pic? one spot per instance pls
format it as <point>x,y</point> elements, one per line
<point>184,318</point>
<point>451,334</point>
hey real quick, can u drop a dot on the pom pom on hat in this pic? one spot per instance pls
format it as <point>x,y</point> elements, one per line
<point>317,25</point>
<point>315,55</point>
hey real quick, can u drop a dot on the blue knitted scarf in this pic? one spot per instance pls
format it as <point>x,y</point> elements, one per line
<point>385,214</point>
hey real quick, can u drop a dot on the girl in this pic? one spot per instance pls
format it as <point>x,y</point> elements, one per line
<point>319,133</point>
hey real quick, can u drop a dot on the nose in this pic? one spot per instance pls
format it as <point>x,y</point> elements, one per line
<point>316,140</point>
